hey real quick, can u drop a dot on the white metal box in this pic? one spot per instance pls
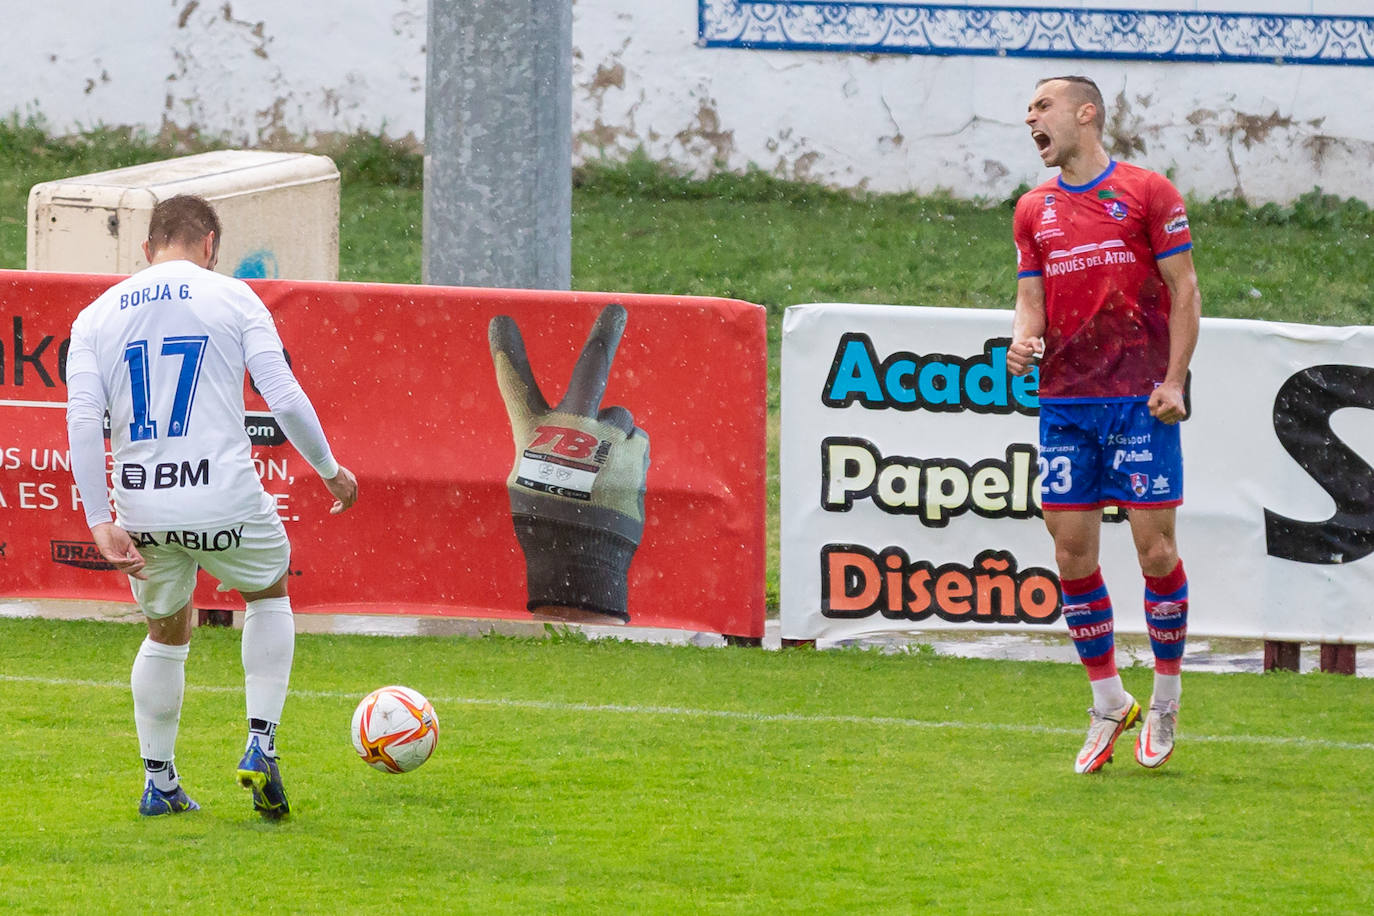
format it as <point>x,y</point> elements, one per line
<point>279,213</point>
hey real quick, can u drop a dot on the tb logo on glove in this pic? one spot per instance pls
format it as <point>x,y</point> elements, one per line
<point>577,486</point>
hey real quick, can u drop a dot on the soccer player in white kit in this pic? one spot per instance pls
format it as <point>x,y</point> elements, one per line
<point>164,351</point>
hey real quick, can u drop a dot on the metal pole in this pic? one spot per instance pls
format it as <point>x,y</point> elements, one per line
<point>498,144</point>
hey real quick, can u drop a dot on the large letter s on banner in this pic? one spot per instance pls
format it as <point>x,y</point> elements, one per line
<point>1302,422</point>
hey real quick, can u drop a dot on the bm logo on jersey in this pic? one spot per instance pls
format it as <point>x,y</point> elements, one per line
<point>165,476</point>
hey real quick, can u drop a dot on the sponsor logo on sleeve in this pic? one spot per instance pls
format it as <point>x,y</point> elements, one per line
<point>1176,224</point>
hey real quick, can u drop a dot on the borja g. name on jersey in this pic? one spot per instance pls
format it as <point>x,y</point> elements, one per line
<point>1096,247</point>
<point>170,345</point>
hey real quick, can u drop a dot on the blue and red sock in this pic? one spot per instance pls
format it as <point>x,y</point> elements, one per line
<point>1088,614</point>
<point>1166,617</point>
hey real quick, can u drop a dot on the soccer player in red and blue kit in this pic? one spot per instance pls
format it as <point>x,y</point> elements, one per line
<point>1107,305</point>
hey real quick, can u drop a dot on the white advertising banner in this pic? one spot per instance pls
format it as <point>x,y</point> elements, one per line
<point>911,481</point>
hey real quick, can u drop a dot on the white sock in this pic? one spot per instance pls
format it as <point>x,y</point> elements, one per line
<point>158,681</point>
<point>269,642</point>
<point>1167,687</point>
<point>1109,694</point>
<point>163,773</point>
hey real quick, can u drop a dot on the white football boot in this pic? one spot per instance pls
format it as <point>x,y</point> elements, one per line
<point>1156,740</point>
<point>1103,730</point>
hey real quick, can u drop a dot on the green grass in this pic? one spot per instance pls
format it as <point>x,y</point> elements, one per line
<point>574,776</point>
<point>639,228</point>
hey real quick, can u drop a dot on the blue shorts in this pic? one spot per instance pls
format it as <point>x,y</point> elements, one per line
<point>1108,454</point>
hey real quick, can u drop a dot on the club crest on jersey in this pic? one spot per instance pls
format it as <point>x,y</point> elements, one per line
<point>1140,483</point>
<point>1116,210</point>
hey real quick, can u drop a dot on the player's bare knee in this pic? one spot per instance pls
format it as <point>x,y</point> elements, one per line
<point>174,630</point>
<point>1075,560</point>
<point>1158,557</point>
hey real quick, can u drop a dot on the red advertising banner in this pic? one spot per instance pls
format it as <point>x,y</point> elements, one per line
<point>405,382</point>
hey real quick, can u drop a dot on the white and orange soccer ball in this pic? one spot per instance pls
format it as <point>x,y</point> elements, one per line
<point>395,729</point>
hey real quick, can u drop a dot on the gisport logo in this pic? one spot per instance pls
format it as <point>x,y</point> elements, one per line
<point>81,554</point>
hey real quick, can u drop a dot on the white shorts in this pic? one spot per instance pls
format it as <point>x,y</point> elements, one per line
<point>245,557</point>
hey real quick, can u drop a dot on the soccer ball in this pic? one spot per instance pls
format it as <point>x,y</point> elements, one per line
<point>395,729</point>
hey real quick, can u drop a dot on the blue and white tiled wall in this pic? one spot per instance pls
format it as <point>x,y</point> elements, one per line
<point>1324,32</point>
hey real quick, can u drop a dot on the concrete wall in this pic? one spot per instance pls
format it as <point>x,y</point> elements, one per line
<point>262,71</point>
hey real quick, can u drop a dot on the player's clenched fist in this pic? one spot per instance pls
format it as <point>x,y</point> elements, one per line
<point>1168,404</point>
<point>577,485</point>
<point>1023,354</point>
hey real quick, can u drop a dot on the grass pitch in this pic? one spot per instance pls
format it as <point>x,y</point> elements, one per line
<point>575,776</point>
<point>580,777</point>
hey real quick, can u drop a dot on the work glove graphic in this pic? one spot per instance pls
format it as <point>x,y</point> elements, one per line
<point>577,487</point>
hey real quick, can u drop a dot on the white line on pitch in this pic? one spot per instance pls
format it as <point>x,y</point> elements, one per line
<point>737,715</point>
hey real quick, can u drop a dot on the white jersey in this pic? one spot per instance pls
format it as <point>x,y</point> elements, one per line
<point>169,345</point>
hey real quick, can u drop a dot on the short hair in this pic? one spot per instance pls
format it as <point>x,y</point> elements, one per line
<point>1085,90</point>
<point>184,219</point>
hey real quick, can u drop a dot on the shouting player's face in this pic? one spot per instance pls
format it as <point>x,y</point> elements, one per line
<point>1056,122</point>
